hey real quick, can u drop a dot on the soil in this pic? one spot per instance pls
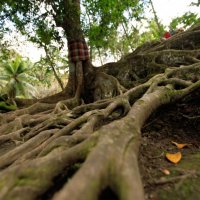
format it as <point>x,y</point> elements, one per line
<point>179,123</point>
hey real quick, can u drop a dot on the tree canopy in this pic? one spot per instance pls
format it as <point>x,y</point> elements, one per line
<point>41,20</point>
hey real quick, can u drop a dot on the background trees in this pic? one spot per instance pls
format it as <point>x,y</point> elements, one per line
<point>15,80</point>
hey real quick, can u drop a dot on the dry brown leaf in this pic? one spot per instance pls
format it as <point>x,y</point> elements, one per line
<point>180,146</point>
<point>174,157</point>
<point>165,171</point>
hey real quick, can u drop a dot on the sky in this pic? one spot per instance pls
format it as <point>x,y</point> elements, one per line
<point>165,9</point>
<point>168,9</point>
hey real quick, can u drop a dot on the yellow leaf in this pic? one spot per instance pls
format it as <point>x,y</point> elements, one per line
<point>180,146</point>
<point>174,157</point>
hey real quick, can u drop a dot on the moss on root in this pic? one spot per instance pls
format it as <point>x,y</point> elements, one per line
<point>186,188</point>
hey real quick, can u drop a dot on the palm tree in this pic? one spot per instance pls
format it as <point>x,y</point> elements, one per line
<point>15,80</point>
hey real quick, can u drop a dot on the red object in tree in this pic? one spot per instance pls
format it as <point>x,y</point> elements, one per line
<point>167,35</point>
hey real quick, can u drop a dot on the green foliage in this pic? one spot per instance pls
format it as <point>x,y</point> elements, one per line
<point>151,33</point>
<point>196,3</point>
<point>109,24</point>
<point>187,20</point>
<point>14,79</point>
<point>4,106</point>
<point>39,20</point>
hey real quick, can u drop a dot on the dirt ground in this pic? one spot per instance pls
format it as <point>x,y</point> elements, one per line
<point>179,123</point>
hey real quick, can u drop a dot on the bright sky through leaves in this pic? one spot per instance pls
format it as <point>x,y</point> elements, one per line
<point>165,9</point>
<point>168,9</point>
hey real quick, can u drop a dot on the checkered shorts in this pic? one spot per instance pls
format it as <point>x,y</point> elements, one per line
<point>78,51</point>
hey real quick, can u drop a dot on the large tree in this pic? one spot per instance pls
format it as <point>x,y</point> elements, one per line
<point>64,151</point>
<point>39,20</point>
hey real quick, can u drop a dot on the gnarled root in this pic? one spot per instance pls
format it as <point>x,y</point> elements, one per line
<point>101,138</point>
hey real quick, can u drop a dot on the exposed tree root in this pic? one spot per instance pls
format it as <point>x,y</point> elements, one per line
<point>104,135</point>
<point>154,57</point>
<point>41,142</point>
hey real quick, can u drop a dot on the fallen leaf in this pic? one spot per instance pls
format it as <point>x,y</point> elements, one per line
<point>165,171</point>
<point>174,157</point>
<point>180,146</point>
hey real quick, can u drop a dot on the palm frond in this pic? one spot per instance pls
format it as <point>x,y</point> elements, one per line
<point>4,77</point>
<point>16,64</point>
<point>9,69</point>
<point>25,77</point>
<point>16,78</point>
<point>21,90</point>
<point>21,68</point>
<point>26,89</point>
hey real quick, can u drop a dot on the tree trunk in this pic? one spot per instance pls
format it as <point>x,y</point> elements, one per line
<point>73,30</point>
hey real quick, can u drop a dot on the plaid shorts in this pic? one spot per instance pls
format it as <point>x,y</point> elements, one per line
<point>78,51</point>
